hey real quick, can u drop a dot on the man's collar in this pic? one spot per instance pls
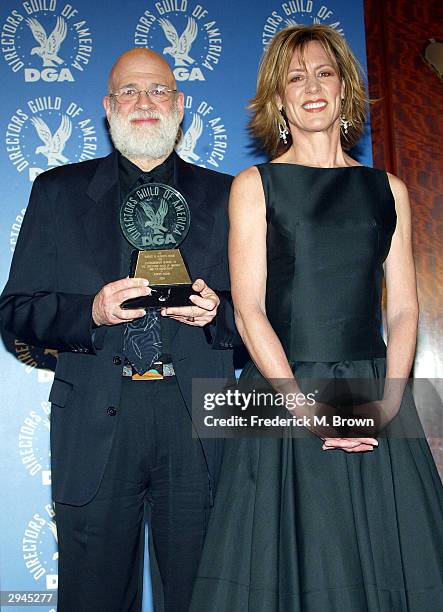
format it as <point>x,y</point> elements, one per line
<point>130,173</point>
<point>187,178</point>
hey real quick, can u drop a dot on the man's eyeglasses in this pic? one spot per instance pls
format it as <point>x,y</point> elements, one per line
<point>157,93</point>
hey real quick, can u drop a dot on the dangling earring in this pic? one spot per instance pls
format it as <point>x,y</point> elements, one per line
<point>283,133</point>
<point>282,129</point>
<point>344,123</point>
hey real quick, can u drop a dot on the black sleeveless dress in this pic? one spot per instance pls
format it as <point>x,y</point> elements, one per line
<point>296,528</point>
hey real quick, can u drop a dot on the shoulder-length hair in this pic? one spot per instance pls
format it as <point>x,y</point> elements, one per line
<point>272,81</point>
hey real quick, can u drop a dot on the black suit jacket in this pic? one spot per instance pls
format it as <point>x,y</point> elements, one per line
<point>67,250</point>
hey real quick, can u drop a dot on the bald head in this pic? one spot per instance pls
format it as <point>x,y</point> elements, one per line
<point>144,128</point>
<point>140,62</point>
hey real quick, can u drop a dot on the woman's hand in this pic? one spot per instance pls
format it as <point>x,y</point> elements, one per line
<point>350,445</point>
<point>321,418</point>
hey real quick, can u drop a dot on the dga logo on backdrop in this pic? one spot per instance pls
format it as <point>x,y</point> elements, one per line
<point>32,358</point>
<point>204,141</point>
<point>39,548</point>
<point>33,443</point>
<point>46,41</point>
<point>297,12</point>
<point>49,132</point>
<point>185,33</point>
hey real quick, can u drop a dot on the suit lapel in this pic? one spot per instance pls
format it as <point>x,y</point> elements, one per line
<point>196,246</point>
<point>101,221</point>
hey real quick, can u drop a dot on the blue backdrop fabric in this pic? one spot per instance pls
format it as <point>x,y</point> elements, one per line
<point>56,57</point>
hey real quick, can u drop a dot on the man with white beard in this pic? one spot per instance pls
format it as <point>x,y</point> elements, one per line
<point>121,431</point>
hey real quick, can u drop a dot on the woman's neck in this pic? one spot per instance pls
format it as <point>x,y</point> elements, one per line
<point>320,149</point>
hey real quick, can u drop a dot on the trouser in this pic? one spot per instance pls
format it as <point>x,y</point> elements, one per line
<point>154,460</point>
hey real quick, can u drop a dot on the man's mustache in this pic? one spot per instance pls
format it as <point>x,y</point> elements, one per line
<point>144,115</point>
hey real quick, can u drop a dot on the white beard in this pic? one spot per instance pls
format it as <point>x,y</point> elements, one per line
<point>144,141</point>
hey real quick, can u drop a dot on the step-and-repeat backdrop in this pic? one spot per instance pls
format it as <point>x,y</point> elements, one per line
<point>55,61</point>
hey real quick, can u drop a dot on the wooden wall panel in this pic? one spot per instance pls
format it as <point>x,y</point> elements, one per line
<point>407,131</point>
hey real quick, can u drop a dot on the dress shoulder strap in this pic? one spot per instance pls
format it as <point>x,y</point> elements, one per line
<point>263,170</point>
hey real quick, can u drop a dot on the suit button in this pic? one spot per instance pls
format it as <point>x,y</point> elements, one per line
<point>116,360</point>
<point>111,411</point>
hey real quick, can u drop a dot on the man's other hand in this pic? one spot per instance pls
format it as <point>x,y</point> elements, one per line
<point>203,310</point>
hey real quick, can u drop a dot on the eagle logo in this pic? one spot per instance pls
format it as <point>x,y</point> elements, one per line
<point>155,219</point>
<point>53,145</point>
<point>49,45</point>
<point>188,142</point>
<point>180,46</point>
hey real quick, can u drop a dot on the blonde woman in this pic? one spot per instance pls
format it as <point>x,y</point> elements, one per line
<point>332,524</point>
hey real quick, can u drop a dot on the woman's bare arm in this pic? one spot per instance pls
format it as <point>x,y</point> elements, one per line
<point>402,303</point>
<point>247,263</point>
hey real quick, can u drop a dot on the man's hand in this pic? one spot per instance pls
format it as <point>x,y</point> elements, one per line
<point>203,309</point>
<point>106,308</point>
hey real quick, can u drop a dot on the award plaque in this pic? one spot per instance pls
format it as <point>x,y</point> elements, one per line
<point>155,219</point>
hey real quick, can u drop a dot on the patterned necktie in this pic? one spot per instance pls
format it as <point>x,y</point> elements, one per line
<point>142,341</point>
<point>142,337</point>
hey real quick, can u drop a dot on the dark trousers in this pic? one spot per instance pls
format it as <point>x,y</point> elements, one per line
<point>155,461</point>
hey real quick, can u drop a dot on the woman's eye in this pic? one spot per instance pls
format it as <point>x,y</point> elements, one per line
<point>326,73</point>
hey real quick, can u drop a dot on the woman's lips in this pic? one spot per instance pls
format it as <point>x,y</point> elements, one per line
<point>316,106</point>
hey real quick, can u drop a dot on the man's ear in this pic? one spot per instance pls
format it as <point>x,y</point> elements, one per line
<point>181,104</point>
<point>107,106</point>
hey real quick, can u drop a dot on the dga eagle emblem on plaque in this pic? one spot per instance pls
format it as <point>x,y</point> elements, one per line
<point>155,219</point>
